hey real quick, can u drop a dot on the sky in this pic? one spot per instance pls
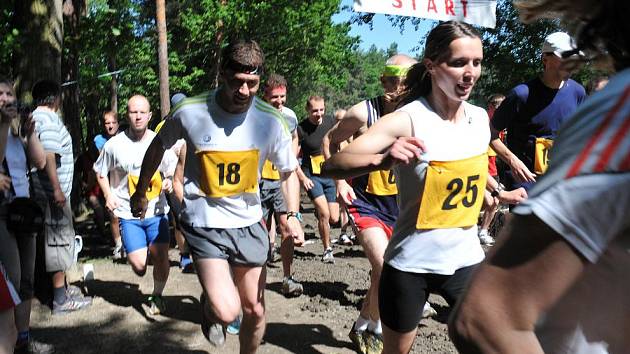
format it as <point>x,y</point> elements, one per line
<point>383,33</point>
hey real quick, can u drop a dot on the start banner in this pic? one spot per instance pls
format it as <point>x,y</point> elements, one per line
<point>475,12</point>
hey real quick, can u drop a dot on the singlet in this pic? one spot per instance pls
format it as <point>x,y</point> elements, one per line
<point>585,198</point>
<point>224,156</point>
<point>532,110</point>
<point>439,250</point>
<point>121,159</point>
<point>367,187</point>
<point>274,182</point>
<point>311,137</point>
<point>55,138</point>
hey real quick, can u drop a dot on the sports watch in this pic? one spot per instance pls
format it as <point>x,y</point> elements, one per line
<point>495,193</point>
<point>295,214</point>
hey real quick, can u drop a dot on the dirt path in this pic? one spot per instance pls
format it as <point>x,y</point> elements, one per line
<point>316,322</point>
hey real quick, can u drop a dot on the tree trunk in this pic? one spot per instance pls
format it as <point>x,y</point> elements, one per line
<point>113,85</point>
<point>71,96</point>
<point>165,103</point>
<point>39,49</point>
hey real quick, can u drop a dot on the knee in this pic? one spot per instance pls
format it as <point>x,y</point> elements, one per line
<point>140,268</point>
<point>225,312</point>
<point>256,311</point>
<point>323,215</point>
<point>465,330</point>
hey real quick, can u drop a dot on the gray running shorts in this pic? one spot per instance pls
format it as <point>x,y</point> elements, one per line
<point>272,201</point>
<point>243,246</point>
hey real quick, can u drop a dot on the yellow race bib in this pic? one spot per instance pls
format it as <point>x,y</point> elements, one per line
<point>270,171</point>
<point>155,186</point>
<point>541,155</point>
<point>491,152</point>
<point>453,193</point>
<point>382,182</point>
<point>227,173</point>
<point>316,164</point>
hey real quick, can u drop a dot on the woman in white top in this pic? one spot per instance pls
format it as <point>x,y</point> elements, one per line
<point>437,145</point>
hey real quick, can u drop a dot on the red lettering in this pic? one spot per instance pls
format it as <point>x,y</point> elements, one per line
<point>413,4</point>
<point>397,4</point>
<point>464,3</point>
<point>448,7</point>
<point>431,5</point>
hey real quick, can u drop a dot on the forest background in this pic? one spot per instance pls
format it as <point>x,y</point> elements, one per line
<point>104,51</point>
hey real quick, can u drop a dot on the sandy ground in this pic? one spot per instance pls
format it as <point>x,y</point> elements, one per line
<point>316,322</point>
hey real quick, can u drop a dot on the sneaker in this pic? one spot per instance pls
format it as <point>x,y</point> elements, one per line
<point>328,257</point>
<point>485,238</point>
<point>157,305</point>
<point>74,291</point>
<point>275,255</point>
<point>291,288</point>
<point>345,240</point>
<point>186,264</point>
<point>235,326</point>
<point>358,339</point>
<point>428,311</point>
<point>214,332</point>
<point>373,342</point>
<point>73,303</point>
<point>34,347</point>
<point>118,252</point>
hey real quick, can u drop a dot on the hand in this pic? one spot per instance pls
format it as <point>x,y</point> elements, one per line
<point>307,183</point>
<point>513,197</point>
<point>520,172</point>
<point>405,150</point>
<point>111,203</point>
<point>139,204</point>
<point>167,185</point>
<point>7,113</point>
<point>28,126</point>
<point>345,192</point>
<point>5,182</point>
<point>59,198</point>
<point>295,231</point>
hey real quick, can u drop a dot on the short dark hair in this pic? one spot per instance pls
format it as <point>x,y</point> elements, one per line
<point>313,98</point>
<point>243,56</point>
<point>275,80</point>
<point>45,92</point>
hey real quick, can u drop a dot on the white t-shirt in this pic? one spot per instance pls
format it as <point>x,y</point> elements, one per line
<point>445,250</point>
<point>221,148</point>
<point>585,198</point>
<point>121,158</point>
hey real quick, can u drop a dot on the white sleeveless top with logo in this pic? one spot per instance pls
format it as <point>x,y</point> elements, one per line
<point>435,231</point>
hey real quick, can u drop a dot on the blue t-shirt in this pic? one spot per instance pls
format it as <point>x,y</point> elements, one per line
<point>533,110</point>
<point>100,141</point>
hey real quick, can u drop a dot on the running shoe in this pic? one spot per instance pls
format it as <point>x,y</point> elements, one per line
<point>118,252</point>
<point>291,288</point>
<point>328,257</point>
<point>345,240</point>
<point>235,326</point>
<point>428,310</point>
<point>373,342</point>
<point>33,347</point>
<point>358,339</point>
<point>74,291</point>
<point>72,304</point>
<point>157,305</point>
<point>485,239</point>
<point>214,332</point>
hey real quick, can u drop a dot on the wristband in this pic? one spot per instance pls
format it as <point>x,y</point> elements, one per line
<point>495,193</point>
<point>295,214</point>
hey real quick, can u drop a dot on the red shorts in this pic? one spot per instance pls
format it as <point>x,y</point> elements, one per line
<point>365,222</point>
<point>8,296</point>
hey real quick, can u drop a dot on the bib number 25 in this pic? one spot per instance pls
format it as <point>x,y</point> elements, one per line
<point>455,186</point>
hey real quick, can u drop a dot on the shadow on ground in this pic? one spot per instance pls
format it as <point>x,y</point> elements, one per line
<point>302,338</point>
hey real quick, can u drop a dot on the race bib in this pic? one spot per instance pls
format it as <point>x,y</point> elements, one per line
<point>382,182</point>
<point>491,152</point>
<point>316,164</point>
<point>270,171</point>
<point>155,186</point>
<point>227,173</point>
<point>541,155</point>
<point>453,193</point>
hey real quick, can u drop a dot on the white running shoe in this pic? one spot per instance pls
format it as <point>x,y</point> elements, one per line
<point>485,238</point>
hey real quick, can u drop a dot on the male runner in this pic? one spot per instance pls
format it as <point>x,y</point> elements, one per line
<point>533,112</point>
<point>117,170</point>
<point>320,190</point>
<point>229,134</point>
<point>371,199</point>
<point>271,198</point>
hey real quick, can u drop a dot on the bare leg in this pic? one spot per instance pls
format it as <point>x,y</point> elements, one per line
<point>323,218</point>
<point>250,282</point>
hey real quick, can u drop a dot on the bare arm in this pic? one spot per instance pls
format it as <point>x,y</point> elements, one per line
<point>7,114</point>
<point>524,275</point>
<point>290,187</point>
<point>111,202</point>
<point>35,150</point>
<point>353,121</point>
<point>519,171</point>
<point>150,163</point>
<point>51,171</point>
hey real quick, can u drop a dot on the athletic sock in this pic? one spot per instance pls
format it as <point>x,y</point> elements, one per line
<point>59,295</point>
<point>158,287</point>
<point>361,323</point>
<point>375,327</point>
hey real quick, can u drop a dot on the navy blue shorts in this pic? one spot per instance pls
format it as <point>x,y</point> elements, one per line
<point>321,186</point>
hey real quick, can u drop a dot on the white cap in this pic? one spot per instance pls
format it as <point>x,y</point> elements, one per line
<point>177,98</point>
<point>557,43</point>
